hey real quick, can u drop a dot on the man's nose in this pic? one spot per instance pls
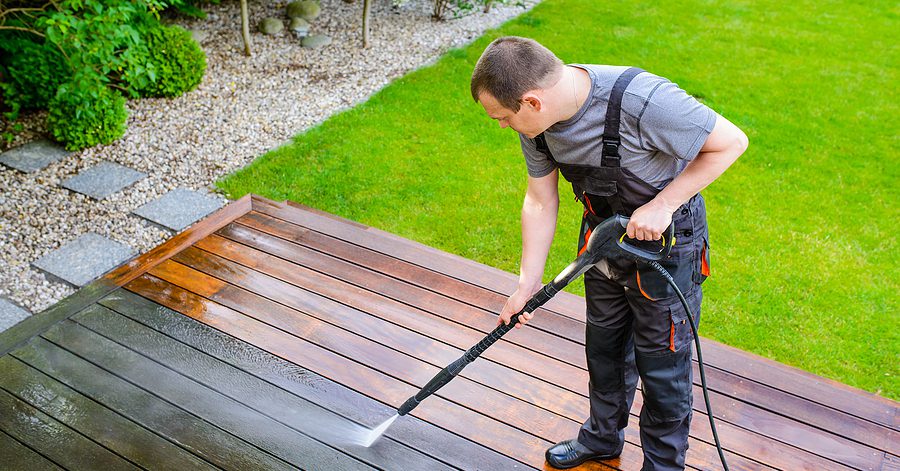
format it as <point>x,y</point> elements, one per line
<point>503,124</point>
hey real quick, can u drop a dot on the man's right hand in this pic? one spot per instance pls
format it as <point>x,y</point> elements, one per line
<point>515,303</point>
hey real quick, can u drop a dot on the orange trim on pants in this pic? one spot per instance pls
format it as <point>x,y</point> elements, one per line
<point>587,235</point>
<point>704,265</point>
<point>640,288</point>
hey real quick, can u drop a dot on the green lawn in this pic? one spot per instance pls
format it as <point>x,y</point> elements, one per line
<point>804,263</point>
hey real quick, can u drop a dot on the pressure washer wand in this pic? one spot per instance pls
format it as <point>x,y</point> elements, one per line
<point>453,369</point>
<point>606,241</point>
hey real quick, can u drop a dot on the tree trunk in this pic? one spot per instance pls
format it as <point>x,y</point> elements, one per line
<point>487,5</point>
<point>245,27</point>
<point>367,7</point>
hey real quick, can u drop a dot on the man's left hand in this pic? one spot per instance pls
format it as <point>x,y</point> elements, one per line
<point>649,221</point>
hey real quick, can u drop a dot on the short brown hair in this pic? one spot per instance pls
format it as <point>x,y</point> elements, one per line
<point>511,66</point>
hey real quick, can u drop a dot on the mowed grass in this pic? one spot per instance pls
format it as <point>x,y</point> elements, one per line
<point>804,226</point>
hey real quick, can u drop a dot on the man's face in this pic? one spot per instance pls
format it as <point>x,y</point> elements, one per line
<point>525,121</point>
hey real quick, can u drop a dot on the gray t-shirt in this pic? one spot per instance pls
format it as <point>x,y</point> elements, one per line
<point>662,128</point>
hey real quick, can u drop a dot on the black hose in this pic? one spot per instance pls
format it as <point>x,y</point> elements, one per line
<point>712,423</point>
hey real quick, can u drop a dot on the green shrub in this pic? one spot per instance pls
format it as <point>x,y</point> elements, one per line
<point>174,63</point>
<point>33,72</point>
<point>85,113</point>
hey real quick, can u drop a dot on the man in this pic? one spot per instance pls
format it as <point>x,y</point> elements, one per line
<point>631,143</point>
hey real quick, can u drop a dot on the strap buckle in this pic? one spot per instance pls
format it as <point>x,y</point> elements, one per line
<point>611,147</point>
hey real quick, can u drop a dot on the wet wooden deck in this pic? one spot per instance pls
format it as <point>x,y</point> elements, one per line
<point>232,345</point>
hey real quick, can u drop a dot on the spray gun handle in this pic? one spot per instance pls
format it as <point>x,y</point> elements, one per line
<point>667,240</point>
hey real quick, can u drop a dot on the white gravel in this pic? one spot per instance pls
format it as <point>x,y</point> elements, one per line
<point>243,108</point>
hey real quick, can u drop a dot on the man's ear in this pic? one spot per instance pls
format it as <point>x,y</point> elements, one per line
<point>532,100</point>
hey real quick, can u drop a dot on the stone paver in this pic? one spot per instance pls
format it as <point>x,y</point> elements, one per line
<point>178,208</point>
<point>33,156</point>
<point>10,314</point>
<point>102,180</point>
<point>84,259</point>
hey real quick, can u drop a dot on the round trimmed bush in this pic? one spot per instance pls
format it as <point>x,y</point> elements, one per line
<point>176,61</point>
<point>33,72</point>
<point>85,113</point>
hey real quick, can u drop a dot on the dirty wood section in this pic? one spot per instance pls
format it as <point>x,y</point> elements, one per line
<point>270,334</point>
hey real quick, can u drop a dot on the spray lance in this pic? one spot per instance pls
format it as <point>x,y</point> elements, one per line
<point>607,241</point>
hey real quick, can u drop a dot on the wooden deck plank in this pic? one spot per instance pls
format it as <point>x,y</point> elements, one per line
<point>275,403</point>
<point>420,435</point>
<point>459,332</point>
<point>464,422</point>
<point>232,416</point>
<point>402,270</point>
<point>54,440</point>
<point>192,433</point>
<point>748,444</point>
<point>826,392</point>
<point>411,368</point>
<point>565,349</point>
<point>14,455</point>
<point>112,431</point>
<point>293,301</point>
<point>453,391</point>
<point>771,399</point>
<point>20,333</point>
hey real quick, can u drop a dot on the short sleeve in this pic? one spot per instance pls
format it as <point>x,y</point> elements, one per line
<point>674,122</point>
<point>538,164</point>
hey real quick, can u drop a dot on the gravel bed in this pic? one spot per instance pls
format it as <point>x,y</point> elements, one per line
<point>243,108</point>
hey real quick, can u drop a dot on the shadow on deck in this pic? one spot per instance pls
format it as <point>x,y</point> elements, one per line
<point>268,334</point>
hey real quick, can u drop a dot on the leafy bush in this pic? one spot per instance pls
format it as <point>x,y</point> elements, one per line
<point>174,62</point>
<point>33,72</point>
<point>85,112</point>
<point>106,44</point>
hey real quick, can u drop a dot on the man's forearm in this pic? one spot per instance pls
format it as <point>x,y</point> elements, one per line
<point>538,228</point>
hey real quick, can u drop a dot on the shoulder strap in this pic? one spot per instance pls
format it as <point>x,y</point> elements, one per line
<point>541,143</point>
<point>610,155</point>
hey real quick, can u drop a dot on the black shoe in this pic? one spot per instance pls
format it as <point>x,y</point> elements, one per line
<point>571,453</point>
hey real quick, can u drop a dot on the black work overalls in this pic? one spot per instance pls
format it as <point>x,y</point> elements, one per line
<point>636,324</point>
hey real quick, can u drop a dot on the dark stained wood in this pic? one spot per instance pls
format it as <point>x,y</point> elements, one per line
<point>182,428</point>
<point>230,415</point>
<point>20,333</point>
<point>54,440</point>
<point>32,326</point>
<point>413,432</point>
<point>134,268</point>
<point>14,455</point>
<point>382,287</point>
<point>92,420</point>
<point>372,383</point>
<point>273,402</point>
<point>837,396</point>
<point>767,397</point>
<point>773,452</point>
<point>296,303</point>
<point>369,296</point>
<point>293,321</point>
<point>411,368</point>
<point>403,271</point>
<point>409,250</point>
